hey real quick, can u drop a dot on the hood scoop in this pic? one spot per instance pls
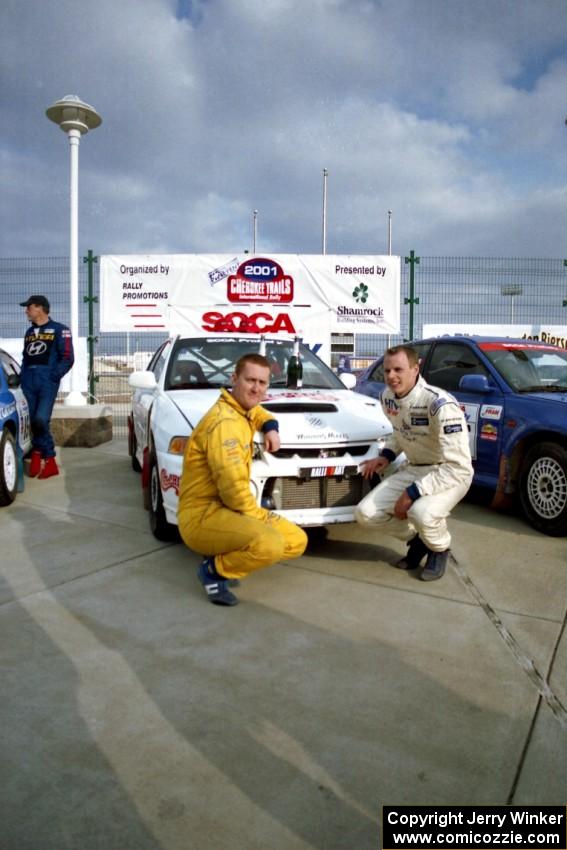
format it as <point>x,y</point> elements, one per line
<point>300,407</point>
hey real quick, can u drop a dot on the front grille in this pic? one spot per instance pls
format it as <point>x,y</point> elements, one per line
<point>341,451</point>
<point>296,493</point>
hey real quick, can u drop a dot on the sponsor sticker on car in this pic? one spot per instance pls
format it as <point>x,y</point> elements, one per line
<point>326,471</point>
<point>490,411</point>
<point>488,432</point>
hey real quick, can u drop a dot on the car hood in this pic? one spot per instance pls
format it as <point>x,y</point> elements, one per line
<point>305,416</point>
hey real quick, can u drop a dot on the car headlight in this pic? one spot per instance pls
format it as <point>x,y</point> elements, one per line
<point>177,445</point>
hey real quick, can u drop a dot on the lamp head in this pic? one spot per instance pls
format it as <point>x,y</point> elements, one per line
<point>71,113</point>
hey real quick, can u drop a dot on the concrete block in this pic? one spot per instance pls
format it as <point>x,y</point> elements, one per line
<point>86,425</point>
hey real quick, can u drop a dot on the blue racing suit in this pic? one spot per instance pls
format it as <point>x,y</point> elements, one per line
<point>47,356</point>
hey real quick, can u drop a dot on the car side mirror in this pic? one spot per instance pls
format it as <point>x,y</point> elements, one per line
<point>475,384</point>
<point>143,380</point>
<point>348,379</point>
<point>13,381</point>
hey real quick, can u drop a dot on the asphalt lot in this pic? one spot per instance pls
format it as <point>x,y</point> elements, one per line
<point>136,715</point>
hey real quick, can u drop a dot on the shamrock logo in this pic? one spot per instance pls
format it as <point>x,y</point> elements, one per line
<point>360,293</point>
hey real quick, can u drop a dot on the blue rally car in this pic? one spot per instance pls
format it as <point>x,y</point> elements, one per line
<point>15,433</point>
<point>514,395</point>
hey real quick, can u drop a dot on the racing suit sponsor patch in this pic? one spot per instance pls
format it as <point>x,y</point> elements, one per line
<point>452,429</point>
<point>419,420</point>
<point>437,405</point>
<point>390,406</point>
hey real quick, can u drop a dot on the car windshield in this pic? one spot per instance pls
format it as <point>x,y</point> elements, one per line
<point>209,363</point>
<point>529,368</point>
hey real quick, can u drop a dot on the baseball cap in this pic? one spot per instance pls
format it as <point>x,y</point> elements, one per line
<point>38,300</point>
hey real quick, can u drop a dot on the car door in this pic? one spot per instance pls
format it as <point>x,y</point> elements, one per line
<point>448,363</point>
<point>12,374</point>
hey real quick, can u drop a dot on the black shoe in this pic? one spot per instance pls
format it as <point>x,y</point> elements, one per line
<point>215,585</point>
<point>417,550</point>
<point>435,565</point>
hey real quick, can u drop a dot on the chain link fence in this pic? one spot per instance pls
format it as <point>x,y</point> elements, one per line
<point>434,290</point>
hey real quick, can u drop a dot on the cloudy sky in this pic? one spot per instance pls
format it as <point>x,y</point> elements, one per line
<point>450,113</point>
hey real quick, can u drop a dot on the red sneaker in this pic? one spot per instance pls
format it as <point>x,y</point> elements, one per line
<point>49,468</point>
<point>35,464</point>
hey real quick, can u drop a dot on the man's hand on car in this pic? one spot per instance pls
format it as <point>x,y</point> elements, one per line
<point>271,441</point>
<point>374,466</point>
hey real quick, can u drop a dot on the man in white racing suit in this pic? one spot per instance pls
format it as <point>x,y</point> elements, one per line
<point>413,503</point>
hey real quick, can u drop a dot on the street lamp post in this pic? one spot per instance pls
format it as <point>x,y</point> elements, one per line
<point>389,232</point>
<point>75,118</point>
<point>255,231</point>
<point>511,291</point>
<point>324,235</point>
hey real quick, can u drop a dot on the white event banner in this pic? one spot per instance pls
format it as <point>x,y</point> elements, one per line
<point>551,334</point>
<point>203,294</point>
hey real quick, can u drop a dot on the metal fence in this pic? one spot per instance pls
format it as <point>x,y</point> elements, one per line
<point>434,290</point>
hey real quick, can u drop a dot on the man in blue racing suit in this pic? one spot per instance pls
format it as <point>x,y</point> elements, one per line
<point>47,356</point>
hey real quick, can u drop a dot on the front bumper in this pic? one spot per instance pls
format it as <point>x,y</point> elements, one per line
<point>309,491</point>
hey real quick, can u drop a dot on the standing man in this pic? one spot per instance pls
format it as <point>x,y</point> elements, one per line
<point>218,515</point>
<point>47,356</point>
<point>414,502</point>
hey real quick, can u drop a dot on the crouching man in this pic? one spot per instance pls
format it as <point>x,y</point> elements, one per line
<point>414,502</point>
<point>218,515</point>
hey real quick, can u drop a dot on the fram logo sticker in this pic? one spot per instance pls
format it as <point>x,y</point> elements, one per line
<point>489,411</point>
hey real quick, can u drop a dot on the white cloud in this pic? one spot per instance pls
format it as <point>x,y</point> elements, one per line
<point>449,113</point>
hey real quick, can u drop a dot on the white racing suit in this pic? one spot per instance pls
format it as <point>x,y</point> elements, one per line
<point>430,428</point>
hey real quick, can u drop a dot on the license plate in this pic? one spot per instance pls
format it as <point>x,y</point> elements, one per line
<point>309,472</point>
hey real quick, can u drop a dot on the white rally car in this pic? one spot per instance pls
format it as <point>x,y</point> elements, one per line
<point>326,430</point>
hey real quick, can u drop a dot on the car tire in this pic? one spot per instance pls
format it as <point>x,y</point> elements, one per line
<point>133,445</point>
<point>543,488</point>
<point>8,468</point>
<point>160,527</point>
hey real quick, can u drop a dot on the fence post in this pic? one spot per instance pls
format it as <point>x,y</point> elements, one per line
<point>412,260</point>
<point>91,299</point>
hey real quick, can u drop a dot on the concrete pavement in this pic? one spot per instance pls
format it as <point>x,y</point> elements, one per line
<point>136,715</point>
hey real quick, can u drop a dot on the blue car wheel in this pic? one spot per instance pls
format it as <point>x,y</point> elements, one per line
<point>543,488</point>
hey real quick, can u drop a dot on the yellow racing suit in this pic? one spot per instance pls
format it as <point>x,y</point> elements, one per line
<point>217,513</point>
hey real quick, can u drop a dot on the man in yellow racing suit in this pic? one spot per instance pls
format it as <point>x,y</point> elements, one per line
<point>414,502</point>
<point>218,515</point>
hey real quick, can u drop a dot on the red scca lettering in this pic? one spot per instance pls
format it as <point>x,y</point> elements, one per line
<point>241,322</point>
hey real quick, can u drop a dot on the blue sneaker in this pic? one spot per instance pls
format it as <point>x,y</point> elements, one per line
<point>216,586</point>
<point>435,565</point>
<point>417,550</point>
